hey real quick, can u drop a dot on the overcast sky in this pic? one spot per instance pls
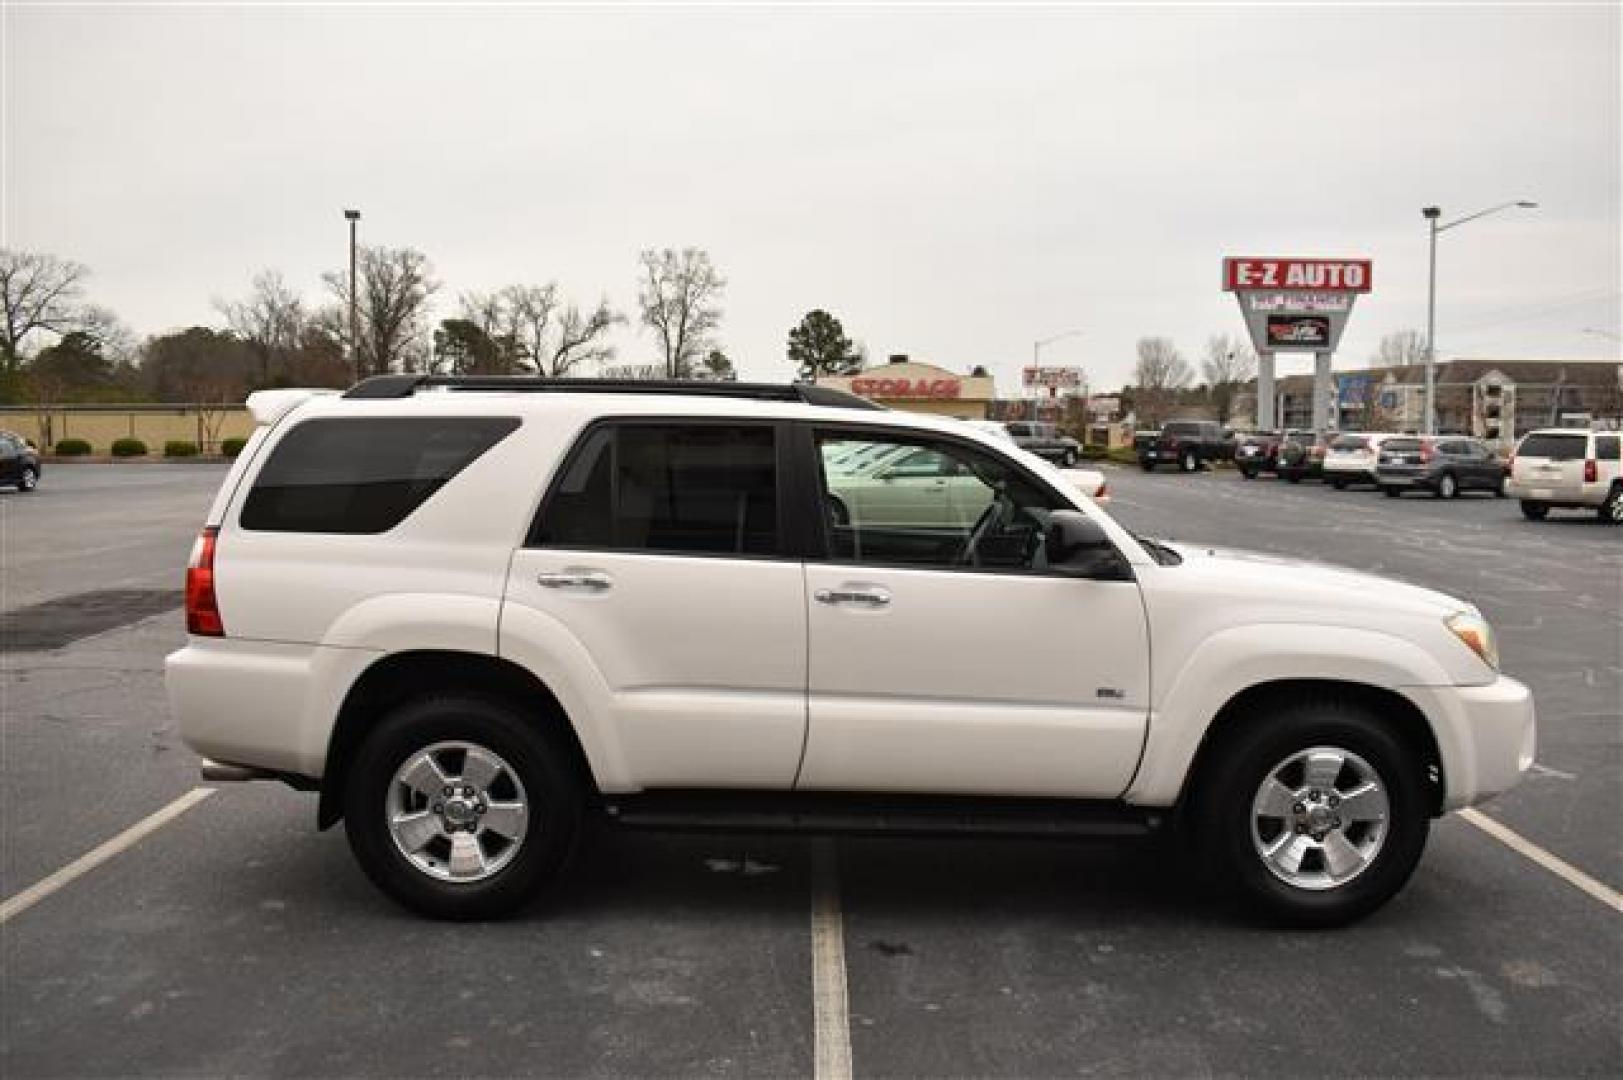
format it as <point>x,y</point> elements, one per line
<point>952,184</point>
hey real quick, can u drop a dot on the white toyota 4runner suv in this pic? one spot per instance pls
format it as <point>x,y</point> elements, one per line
<point>476,614</point>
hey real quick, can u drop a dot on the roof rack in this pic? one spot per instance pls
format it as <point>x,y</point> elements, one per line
<point>385,387</point>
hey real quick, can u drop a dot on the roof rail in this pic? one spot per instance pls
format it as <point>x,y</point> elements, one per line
<point>384,387</point>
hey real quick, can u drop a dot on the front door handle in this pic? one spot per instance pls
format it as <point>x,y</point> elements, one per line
<point>576,580</point>
<point>869,596</point>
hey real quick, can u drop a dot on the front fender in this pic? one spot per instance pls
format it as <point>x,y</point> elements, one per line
<point>1233,660</point>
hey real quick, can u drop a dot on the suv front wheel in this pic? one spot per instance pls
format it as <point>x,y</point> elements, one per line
<point>1314,817</point>
<point>460,807</point>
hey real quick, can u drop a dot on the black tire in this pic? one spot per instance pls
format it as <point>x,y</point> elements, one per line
<point>1232,775</point>
<point>1294,477</point>
<point>28,480</point>
<point>1188,462</point>
<point>1611,511</point>
<point>1339,484</point>
<point>1068,459</point>
<point>1447,486</point>
<point>552,787</point>
<point>1391,492</point>
<point>1499,490</point>
<point>1533,511</point>
<point>1147,466</point>
<point>1249,474</point>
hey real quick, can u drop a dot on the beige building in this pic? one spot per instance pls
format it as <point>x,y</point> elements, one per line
<point>917,387</point>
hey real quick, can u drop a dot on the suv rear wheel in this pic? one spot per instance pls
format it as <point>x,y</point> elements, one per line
<point>460,807</point>
<point>1315,817</point>
<point>1447,486</point>
<point>1189,462</point>
<point>1612,509</point>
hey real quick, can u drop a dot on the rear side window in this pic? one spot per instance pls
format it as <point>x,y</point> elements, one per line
<point>363,476</point>
<point>1607,447</point>
<point>679,489</point>
<point>1554,447</point>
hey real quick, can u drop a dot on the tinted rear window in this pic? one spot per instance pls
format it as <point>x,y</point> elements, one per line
<point>700,489</point>
<point>1554,447</point>
<point>1401,444</point>
<point>363,476</point>
<point>1350,442</point>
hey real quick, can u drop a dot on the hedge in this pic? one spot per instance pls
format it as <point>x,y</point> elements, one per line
<point>129,448</point>
<point>232,447</point>
<point>72,447</point>
<point>179,448</point>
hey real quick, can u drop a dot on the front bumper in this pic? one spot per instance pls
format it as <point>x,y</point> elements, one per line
<point>1487,736</point>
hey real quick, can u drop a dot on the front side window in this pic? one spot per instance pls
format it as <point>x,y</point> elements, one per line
<point>931,504</point>
<point>363,476</point>
<point>703,489</point>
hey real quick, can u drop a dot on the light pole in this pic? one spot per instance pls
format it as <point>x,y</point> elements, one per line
<point>353,217</point>
<point>1036,354</point>
<point>1431,214</point>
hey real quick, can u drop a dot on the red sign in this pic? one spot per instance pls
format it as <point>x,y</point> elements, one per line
<point>1318,275</point>
<point>907,388</point>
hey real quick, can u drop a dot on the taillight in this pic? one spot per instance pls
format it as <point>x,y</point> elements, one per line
<point>1425,451</point>
<point>202,609</point>
<point>1591,471</point>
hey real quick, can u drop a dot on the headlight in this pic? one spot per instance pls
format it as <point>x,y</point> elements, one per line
<point>1474,630</point>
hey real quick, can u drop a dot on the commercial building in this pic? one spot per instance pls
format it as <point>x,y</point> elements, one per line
<point>1490,398</point>
<point>913,386</point>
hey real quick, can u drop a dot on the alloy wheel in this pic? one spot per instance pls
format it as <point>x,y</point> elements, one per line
<point>1319,818</point>
<point>457,811</point>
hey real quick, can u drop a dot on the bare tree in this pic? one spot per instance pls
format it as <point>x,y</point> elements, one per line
<point>38,294</point>
<point>1229,362</point>
<point>1160,373</point>
<point>395,287</point>
<point>679,294</point>
<point>1404,348</point>
<point>580,340</point>
<point>270,321</point>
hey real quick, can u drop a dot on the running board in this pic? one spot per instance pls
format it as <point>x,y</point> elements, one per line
<point>835,812</point>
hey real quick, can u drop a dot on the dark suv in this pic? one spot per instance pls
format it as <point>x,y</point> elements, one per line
<point>19,462</point>
<point>1188,444</point>
<point>1301,456</point>
<point>1045,440</point>
<point>1443,466</point>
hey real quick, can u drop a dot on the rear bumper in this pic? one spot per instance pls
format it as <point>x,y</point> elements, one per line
<point>1387,478</point>
<point>1487,736</point>
<point>1556,494</point>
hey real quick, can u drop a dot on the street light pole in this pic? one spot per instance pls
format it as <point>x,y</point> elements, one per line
<point>353,216</point>
<point>1431,214</point>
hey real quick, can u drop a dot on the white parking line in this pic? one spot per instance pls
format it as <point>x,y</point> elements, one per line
<point>831,1010</point>
<point>1559,867</point>
<point>87,862</point>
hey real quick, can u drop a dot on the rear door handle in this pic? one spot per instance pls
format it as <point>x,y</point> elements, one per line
<point>576,579</point>
<point>869,596</point>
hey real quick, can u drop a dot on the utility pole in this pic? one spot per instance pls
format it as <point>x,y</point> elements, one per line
<point>353,216</point>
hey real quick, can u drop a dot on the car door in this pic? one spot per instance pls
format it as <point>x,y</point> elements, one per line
<point>11,457</point>
<point>946,659</point>
<point>660,551</point>
<point>1486,470</point>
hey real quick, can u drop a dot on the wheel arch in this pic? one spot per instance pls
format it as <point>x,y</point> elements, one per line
<point>399,677</point>
<point>1255,704</point>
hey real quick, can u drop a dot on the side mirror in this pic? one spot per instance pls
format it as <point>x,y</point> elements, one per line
<point>1077,545</point>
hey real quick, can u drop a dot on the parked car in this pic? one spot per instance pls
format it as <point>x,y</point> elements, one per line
<point>1091,482</point>
<point>1257,452</point>
<point>1444,466</point>
<point>1188,444</point>
<point>19,462</point>
<point>1559,467</point>
<point>476,622</point>
<point>1351,459</point>
<point>1047,441</point>
<point>1301,456</point>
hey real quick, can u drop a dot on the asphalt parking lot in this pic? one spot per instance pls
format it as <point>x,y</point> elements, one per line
<point>235,939</point>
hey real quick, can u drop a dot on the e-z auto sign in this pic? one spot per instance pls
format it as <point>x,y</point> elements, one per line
<point>1317,275</point>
